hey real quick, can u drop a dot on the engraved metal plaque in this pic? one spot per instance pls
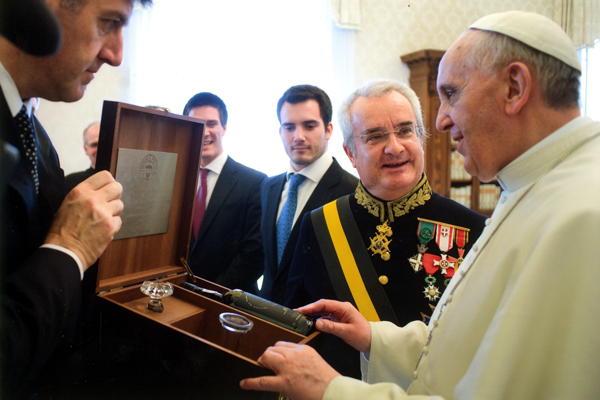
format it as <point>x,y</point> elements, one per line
<point>147,178</point>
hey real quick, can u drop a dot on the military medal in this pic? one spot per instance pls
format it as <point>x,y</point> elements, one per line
<point>462,237</point>
<point>432,263</point>
<point>416,261</point>
<point>425,232</point>
<point>444,264</point>
<point>380,243</point>
<point>444,236</point>
<point>431,291</point>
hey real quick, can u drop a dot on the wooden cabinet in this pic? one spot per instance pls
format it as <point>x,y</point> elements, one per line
<point>440,152</point>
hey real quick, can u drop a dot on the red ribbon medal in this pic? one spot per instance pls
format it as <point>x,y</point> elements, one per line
<point>432,263</point>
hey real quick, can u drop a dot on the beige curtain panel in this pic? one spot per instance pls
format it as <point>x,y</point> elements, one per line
<point>346,13</point>
<point>580,19</point>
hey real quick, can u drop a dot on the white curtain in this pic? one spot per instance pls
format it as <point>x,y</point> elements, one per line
<point>346,13</point>
<point>580,19</point>
<point>246,52</point>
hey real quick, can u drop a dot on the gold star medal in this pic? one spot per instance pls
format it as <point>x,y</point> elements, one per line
<point>380,243</point>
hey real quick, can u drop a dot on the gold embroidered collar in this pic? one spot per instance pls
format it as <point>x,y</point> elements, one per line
<point>395,208</point>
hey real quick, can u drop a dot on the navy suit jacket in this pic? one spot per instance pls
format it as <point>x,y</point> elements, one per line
<point>41,288</point>
<point>335,183</point>
<point>228,249</point>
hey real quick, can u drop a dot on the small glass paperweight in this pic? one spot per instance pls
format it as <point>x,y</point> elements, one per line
<point>235,326</point>
<point>156,290</point>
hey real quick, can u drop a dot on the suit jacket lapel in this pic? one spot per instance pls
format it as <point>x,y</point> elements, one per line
<point>52,178</point>
<point>225,184</point>
<point>273,196</point>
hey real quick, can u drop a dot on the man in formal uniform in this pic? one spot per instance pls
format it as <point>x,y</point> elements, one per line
<point>516,322</point>
<point>90,147</point>
<point>226,246</point>
<point>313,178</point>
<point>49,240</point>
<point>392,246</point>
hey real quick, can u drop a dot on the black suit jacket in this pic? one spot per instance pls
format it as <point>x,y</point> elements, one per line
<point>335,183</point>
<point>228,249</point>
<point>41,288</point>
<point>76,178</point>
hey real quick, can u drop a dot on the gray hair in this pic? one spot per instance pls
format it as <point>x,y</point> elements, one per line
<point>377,88</point>
<point>492,51</point>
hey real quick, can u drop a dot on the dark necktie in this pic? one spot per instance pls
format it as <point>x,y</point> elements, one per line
<point>286,219</point>
<point>200,203</point>
<point>26,132</point>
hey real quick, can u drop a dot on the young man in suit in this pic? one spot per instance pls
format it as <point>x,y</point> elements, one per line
<point>226,246</point>
<point>90,147</point>
<point>304,112</point>
<point>48,243</point>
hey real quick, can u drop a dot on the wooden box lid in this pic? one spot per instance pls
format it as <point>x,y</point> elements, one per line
<point>133,260</point>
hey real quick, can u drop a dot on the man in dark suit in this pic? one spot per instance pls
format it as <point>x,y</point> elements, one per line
<point>226,245</point>
<point>48,243</point>
<point>90,147</point>
<point>404,240</point>
<point>304,112</point>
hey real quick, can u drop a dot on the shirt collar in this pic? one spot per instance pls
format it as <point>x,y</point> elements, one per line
<point>11,92</point>
<point>315,170</point>
<point>217,164</point>
<point>526,168</point>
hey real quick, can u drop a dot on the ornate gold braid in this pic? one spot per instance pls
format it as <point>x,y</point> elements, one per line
<point>403,205</point>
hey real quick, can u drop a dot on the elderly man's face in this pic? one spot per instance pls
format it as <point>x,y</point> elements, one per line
<point>471,110</point>
<point>391,167</point>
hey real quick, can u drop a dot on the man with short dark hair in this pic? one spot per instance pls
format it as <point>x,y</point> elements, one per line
<point>49,241</point>
<point>90,147</point>
<point>315,177</point>
<point>516,322</point>
<point>226,246</point>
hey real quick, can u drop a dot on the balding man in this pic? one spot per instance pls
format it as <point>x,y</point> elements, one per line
<point>90,147</point>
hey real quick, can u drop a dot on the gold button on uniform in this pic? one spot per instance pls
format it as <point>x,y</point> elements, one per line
<point>383,280</point>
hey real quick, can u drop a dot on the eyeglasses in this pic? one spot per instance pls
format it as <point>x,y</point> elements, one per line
<point>378,136</point>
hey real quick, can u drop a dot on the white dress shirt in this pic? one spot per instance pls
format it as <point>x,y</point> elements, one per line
<point>214,170</point>
<point>313,173</point>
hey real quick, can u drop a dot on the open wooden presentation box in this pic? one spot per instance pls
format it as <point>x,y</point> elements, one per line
<point>176,353</point>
